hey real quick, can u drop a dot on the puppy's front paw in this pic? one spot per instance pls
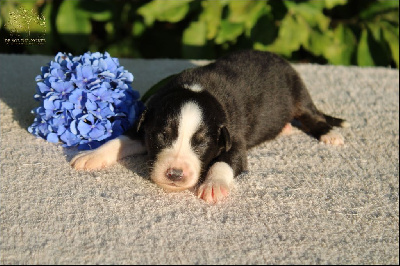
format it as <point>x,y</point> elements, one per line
<point>218,183</point>
<point>213,191</point>
<point>92,160</point>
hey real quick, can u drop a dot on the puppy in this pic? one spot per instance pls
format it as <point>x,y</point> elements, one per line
<point>197,128</point>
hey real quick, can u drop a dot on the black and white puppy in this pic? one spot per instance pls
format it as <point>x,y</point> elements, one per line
<point>198,127</point>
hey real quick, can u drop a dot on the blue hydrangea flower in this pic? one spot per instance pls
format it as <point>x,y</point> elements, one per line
<point>84,100</point>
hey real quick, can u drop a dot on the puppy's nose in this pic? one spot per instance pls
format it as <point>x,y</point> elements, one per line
<point>174,174</point>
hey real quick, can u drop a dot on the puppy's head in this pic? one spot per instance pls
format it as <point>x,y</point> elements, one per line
<point>182,138</point>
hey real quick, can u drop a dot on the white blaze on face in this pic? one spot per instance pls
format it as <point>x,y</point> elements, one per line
<point>180,155</point>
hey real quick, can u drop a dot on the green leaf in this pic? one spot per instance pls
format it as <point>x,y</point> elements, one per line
<point>72,20</point>
<point>327,4</point>
<point>391,35</point>
<point>211,15</point>
<point>229,32</point>
<point>313,15</point>
<point>194,41</point>
<point>319,42</point>
<point>246,12</point>
<point>164,10</point>
<point>138,28</point>
<point>97,10</point>
<point>74,26</point>
<point>339,51</point>
<point>336,46</point>
<point>195,34</point>
<point>294,31</point>
<point>379,7</point>
<point>380,52</point>
<point>364,57</point>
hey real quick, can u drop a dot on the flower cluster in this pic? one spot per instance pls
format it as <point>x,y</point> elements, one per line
<point>85,100</point>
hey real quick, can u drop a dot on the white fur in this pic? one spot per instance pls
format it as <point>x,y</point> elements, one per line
<point>332,138</point>
<point>108,153</point>
<point>218,183</point>
<point>193,87</point>
<point>180,155</point>
<point>345,124</point>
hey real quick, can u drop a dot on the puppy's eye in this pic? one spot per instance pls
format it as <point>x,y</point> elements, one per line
<point>195,141</point>
<point>199,142</point>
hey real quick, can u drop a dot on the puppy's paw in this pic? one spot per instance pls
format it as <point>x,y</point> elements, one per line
<point>332,138</point>
<point>287,130</point>
<point>107,154</point>
<point>92,160</point>
<point>218,183</point>
<point>213,191</point>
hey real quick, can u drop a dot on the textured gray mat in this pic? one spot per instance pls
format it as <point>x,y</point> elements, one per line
<point>301,202</point>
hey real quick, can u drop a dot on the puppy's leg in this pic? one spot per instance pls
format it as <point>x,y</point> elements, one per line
<point>287,130</point>
<point>218,183</point>
<point>315,122</point>
<point>219,179</point>
<point>108,153</point>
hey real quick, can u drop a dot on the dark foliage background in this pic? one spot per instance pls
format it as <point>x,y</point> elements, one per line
<point>339,32</point>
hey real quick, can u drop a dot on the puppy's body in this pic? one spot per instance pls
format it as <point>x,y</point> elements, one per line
<point>198,127</point>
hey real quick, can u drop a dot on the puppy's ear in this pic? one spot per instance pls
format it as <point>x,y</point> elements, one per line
<point>224,138</point>
<point>140,120</point>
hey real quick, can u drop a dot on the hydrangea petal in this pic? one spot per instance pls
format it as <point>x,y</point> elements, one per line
<point>52,137</point>
<point>107,73</point>
<point>87,72</point>
<point>69,138</point>
<point>67,105</point>
<point>77,96</point>
<point>97,132</point>
<point>72,127</point>
<point>84,128</point>
<point>43,87</point>
<point>61,129</point>
<point>91,105</point>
